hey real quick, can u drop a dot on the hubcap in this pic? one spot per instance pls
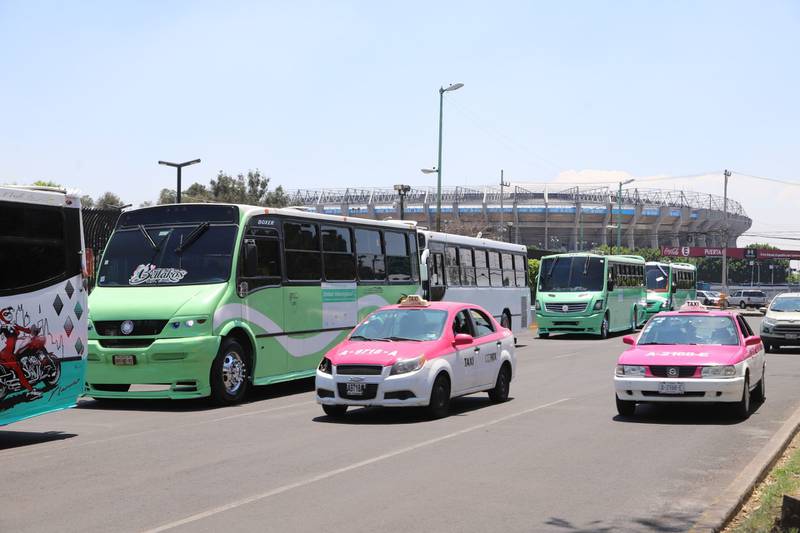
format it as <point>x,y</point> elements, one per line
<point>233,372</point>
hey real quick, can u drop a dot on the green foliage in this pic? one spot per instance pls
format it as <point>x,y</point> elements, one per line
<point>43,183</point>
<point>251,189</point>
<point>533,273</point>
<point>108,200</point>
<point>87,201</point>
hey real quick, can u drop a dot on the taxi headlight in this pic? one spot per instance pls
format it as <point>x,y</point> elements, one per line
<point>325,366</point>
<point>722,371</point>
<point>598,305</point>
<point>628,371</point>
<point>405,366</point>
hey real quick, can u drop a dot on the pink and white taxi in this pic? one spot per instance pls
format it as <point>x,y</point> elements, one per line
<point>418,353</point>
<point>692,355</point>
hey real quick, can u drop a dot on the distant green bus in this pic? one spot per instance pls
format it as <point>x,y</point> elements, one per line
<point>669,285</point>
<point>589,293</point>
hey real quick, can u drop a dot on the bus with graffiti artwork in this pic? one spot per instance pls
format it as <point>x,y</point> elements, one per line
<point>205,300</point>
<point>43,308</point>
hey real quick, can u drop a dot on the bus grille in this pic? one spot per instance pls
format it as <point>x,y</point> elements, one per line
<point>111,328</point>
<point>359,370</point>
<point>578,307</point>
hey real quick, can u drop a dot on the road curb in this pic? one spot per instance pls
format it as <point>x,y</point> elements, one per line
<point>724,509</point>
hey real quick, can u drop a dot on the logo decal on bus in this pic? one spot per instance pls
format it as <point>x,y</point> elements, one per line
<point>150,274</point>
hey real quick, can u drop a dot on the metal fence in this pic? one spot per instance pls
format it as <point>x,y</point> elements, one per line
<point>98,224</point>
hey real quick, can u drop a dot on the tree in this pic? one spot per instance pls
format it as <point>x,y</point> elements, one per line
<point>87,201</point>
<point>146,203</point>
<point>196,193</point>
<point>166,196</point>
<point>43,183</point>
<point>108,200</point>
<point>533,273</point>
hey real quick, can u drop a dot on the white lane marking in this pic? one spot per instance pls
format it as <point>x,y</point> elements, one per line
<point>336,472</point>
<point>567,355</point>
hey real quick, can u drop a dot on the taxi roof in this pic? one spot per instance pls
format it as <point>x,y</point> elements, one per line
<point>700,312</point>
<point>445,306</point>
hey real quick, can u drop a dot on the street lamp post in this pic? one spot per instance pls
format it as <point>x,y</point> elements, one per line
<point>619,213</point>
<point>179,166</point>
<point>402,190</point>
<point>442,90</point>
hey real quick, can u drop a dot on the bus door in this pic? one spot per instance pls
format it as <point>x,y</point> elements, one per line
<point>437,276</point>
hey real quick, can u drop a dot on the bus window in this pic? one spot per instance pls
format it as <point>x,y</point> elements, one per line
<point>398,261</point>
<point>453,275</point>
<point>303,258</point>
<point>481,269</point>
<point>371,262</point>
<point>337,248</point>
<point>412,252</point>
<point>268,270</point>
<point>521,269</point>
<point>467,266</point>
<point>508,270</point>
<point>495,273</point>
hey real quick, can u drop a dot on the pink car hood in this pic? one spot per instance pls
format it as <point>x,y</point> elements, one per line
<point>380,352</point>
<point>682,354</point>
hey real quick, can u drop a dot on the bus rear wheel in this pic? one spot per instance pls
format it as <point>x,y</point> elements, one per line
<point>229,373</point>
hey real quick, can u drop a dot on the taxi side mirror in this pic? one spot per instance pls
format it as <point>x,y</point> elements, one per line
<point>462,339</point>
<point>752,340</point>
<point>629,339</point>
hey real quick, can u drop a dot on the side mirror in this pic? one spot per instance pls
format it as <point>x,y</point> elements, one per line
<point>462,338</point>
<point>763,310</point>
<point>250,259</point>
<point>610,284</point>
<point>423,272</point>
<point>752,341</point>
<point>629,339</point>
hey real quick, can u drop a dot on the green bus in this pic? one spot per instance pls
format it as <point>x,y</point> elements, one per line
<point>590,293</point>
<point>197,300</point>
<point>669,285</point>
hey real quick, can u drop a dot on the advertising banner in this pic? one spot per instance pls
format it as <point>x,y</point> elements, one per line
<point>733,253</point>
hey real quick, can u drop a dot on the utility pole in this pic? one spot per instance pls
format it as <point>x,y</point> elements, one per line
<point>619,213</point>
<point>727,175</point>
<point>502,185</point>
<point>179,167</point>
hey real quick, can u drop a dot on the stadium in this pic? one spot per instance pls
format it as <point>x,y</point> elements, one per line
<point>552,216</point>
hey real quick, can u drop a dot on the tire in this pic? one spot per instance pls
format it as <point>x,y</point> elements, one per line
<point>634,321</point>
<point>439,403</point>
<point>769,347</point>
<point>604,327</point>
<point>625,407</point>
<point>499,393</point>
<point>230,373</point>
<point>742,408</point>
<point>742,305</point>
<point>505,320</point>
<point>543,335</point>
<point>760,393</point>
<point>335,411</point>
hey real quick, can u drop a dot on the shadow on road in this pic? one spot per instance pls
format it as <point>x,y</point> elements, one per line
<point>16,439</point>
<point>256,394</point>
<point>666,523</point>
<point>404,415</point>
<point>584,336</point>
<point>686,414</point>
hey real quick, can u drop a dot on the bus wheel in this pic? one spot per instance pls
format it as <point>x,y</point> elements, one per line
<point>634,319</point>
<point>505,320</point>
<point>604,327</point>
<point>543,335</point>
<point>229,373</point>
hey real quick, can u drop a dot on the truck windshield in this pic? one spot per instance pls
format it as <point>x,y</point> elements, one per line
<point>568,274</point>
<point>657,277</point>
<point>168,255</point>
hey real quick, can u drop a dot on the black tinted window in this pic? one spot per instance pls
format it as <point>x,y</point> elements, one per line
<point>397,258</point>
<point>300,236</point>
<point>340,263</point>
<point>483,326</point>
<point>336,239</point>
<point>371,263</point>
<point>303,258</point>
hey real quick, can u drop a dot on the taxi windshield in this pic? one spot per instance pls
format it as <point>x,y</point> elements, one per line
<point>786,304</point>
<point>690,329</point>
<point>401,325</point>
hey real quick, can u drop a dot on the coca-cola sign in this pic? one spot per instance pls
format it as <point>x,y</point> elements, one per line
<point>733,253</point>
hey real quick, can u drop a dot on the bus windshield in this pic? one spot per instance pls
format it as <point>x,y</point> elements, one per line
<point>168,255</point>
<point>657,277</point>
<point>568,274</point>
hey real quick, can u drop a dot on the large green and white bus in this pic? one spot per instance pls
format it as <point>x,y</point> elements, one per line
<point>197,300</point>
<point>669,285</point>
<point>589,293</point>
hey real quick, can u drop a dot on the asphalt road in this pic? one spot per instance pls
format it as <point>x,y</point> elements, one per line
<point>554,458</point>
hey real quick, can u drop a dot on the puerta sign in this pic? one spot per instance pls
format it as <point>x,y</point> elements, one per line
<point>733,253</point>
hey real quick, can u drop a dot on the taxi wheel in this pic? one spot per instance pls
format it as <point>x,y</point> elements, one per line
<point>229,373</point>
<point>335,411</point>
<point>625,407</point>
<point>760,394</point>
<point>439,404</point>
<point>501,388</point>
<point>604,327</point>
<point>742,407</point>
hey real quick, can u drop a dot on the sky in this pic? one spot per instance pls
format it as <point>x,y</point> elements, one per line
<point>345,94</point>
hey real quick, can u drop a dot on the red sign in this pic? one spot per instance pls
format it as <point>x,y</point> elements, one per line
<point>733,253</point>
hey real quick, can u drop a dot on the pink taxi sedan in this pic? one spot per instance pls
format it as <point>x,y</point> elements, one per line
<point>692,355</point>
<point>417,353</point>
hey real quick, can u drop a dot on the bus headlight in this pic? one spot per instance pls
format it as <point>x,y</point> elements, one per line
<point>405,366</point>
<point>325,366</point>
<point>537,306</point>
<point>722,371</point>
<point>627,371</point>
<point>598,305</point>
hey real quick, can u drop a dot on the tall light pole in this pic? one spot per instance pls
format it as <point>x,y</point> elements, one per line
<point>179,166</point>
<point>442,90</point>
<point>727,175</point>
<point>619,212</point>
<point>502,185</point>
<point>402,190</point>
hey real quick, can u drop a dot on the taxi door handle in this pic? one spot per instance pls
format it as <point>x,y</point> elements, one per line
<point>499,343</point>
<point>477,349</point>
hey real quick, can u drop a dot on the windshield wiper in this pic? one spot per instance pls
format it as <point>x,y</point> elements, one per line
<point>394,338</point>
<point>363,338</point>
<point>147,237</point>
<point>192,237</point>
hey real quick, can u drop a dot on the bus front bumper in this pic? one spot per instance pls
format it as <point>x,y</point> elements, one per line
<point>554,323</point>
<point>168,368</point>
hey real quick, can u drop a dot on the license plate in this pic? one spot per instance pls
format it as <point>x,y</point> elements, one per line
<point>356,389</point>
<point>670,388</point>
<point>791,336</point>
<point>124,359</point>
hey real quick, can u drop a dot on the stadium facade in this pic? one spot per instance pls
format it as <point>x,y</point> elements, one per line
<point>550,216</point>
